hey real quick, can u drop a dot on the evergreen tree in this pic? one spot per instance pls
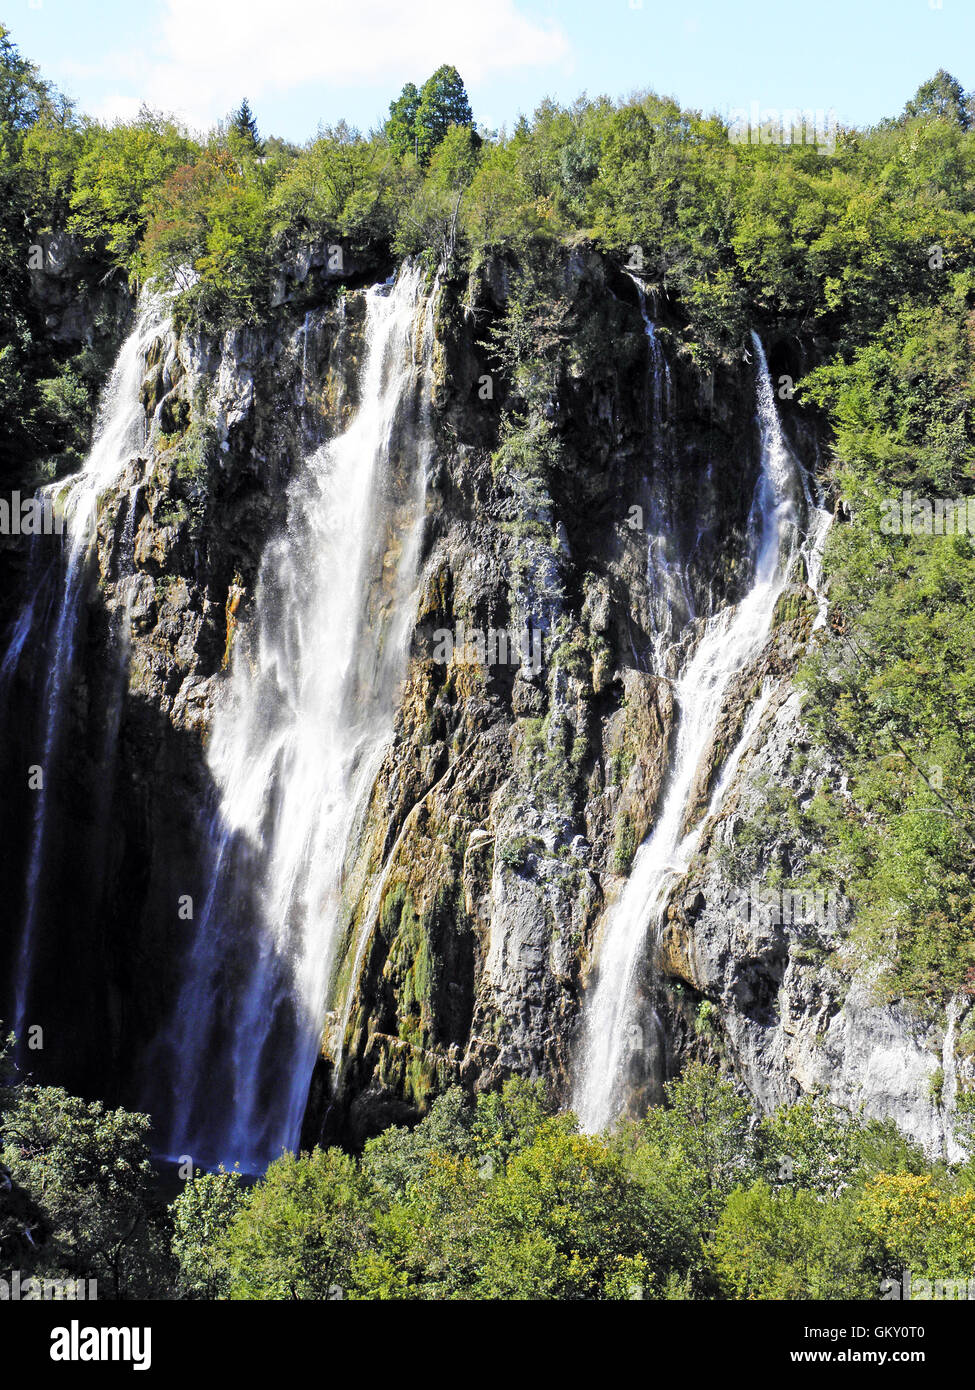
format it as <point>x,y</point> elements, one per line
<point>244,126</point>
<point>443,103</point>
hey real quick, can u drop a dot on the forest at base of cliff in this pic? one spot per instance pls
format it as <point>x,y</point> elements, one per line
<point>498,1198</point>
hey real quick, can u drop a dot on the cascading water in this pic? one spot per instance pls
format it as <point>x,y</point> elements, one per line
<point>120,432</point>
<point>296,744</point>
<point>671,600</point>
<point>613,1030</point>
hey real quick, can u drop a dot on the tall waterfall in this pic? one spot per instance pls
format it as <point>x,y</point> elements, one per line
<point>613,1029</point>
<point>297,740</point>
<point>668,587</point>
<point>119,433</point>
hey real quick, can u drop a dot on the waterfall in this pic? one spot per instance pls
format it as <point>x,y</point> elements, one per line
<point>119,433</point>
<point>298,735</point>
<point>671,600</point>
<point>732,638</point>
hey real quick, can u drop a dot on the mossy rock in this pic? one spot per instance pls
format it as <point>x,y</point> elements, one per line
<point>792,604</point>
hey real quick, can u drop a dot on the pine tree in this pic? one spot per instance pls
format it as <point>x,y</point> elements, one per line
<point>443,103</point>
<point>244,126</point>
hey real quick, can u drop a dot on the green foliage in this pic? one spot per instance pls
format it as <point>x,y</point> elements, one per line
<point>809,1145</point>
<point>624,845</point>
<point>894,692</point>
<point>243,127</point>
<point>202,1215</point>
<point>296,1234</point>
<point>419,120</point>
<point>706,1127</point>
<point>432,218</point>
<point>400,128</point>
<point>790,1245</point>
<point>826,242</point>
<point>398,1157</point>
<point>119,170</point>
<point>494,1197</point>
<point>443,103</point>
<point>515,852</point>
<point>208,220</point>
<point>530,343</point>
<point>87,1169</point>
<point>45,401</point>
<point>566,1215</point>
<point>23,94</point>
<point>512,1204</point>
<point>915,1222</point>
<point>340,185</point>
<point>942,97</point>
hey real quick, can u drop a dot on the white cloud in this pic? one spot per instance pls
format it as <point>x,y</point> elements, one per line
<point>209,52</point>
<point>117,107</point>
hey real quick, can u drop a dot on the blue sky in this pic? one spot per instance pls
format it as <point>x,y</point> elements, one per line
<point>302,62</point>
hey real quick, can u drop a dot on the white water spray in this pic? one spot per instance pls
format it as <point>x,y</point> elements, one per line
<point>668,586</point>
<point>732,638</point>
<point>120,432</point>
<point>296,744</point>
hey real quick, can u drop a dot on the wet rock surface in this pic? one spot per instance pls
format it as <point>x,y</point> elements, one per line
<point>510,802</point>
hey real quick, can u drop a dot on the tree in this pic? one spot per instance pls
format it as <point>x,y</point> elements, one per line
<point>443,103</point>
<point>810,1146</point>
<point>401,125</point>
<point>243,126</point>
<point>427,1242</point>
<point>210,216</point>
<point>89,1171</point>
<point>202,1214</point>
<point>433,216</point>
<point>399,1156</point>
<point>916,1225</point>
<point>708,1127</point>
<point>789,1245</point>
<point>510,1120</point>
<point>339,185</point>
<point>118,176</point>
<point>298,1232</point>
<point>568,1220</point>
<point>499,209</point>
<point>531,342</point>
<point>23,94</point>
<point>942,96</point>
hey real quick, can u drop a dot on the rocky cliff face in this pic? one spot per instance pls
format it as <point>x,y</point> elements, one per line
<point>180,535</point>
<point>509,804</point>
<point>782,1001</point>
